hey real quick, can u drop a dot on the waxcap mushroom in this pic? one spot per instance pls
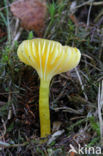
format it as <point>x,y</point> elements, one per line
<point>48,58</point>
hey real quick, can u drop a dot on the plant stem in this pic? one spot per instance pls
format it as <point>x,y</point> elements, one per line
<point>44,112</point>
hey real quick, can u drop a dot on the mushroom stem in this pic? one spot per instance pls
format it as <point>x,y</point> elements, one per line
<point>44,112</point>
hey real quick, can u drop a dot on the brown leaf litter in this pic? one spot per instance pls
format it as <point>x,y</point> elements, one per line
<point>32,14</point>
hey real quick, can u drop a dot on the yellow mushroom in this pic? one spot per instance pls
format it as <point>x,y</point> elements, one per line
<point>48,58</point>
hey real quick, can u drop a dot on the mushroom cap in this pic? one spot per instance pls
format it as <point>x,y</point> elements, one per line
<point>48,57</point>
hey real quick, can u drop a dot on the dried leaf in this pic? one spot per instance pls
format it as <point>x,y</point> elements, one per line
<point>74,19</point>
<point>32,14</point>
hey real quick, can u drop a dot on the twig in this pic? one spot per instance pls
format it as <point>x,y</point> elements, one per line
<point>88,19</point>
<point>100,107</point>
<point>7,145</point>
<point>16,27</point>
<point>4,144</point>
<point>81,72</point>
<point>4,132</point>
<point>81,83</point>
<point>68,109</point>
<point>98,3</point>
<point>89,57</point>
<point>17,36</point>
<point>16,92</point>
<point>88,3</point>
